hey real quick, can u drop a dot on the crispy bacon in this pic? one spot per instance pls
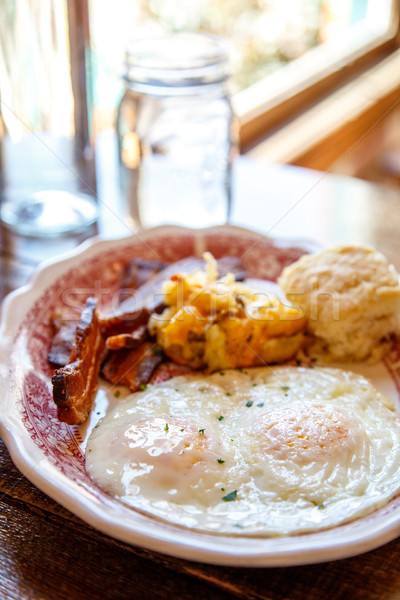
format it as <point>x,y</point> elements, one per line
<point>132,368</point>
<point>75,384</point>
<point>127,340</point>
<point>127,322</point>
<point>63,328</point>
<point>149,297</point>
<point>167,370</point>
<point>139,271</point>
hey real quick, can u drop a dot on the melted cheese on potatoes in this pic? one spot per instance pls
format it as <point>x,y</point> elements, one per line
<point>259,452</point>
<point>220,323</point>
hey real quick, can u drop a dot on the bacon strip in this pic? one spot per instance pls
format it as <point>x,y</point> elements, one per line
<point>127,340</point>
<point>167,370</point>
<point>149,297</point>
<point>63,338</point>
<point>139,271</point>
<point>132,368</point>
<point>127,322</point>
<point>75,385</point>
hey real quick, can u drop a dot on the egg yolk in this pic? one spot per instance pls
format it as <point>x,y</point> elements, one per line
<point>171,458</point>
<point>308,434</point>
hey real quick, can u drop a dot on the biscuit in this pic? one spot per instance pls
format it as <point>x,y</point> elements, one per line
<point>350,295</point>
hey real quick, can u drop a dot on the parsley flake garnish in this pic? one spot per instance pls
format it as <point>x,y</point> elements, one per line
<point>220,417</point>
<point>222,373</point>
<point>143,387</point>
<point>220,460</point>
<point>201,431</point>
<point>249,403</point>
<point>320,506</point>
<point>117,393</point>
<point>261,404</point>
<point>230,497</point>
<point>166,427</point>
<point>285,388</point>
<point>228,394</point>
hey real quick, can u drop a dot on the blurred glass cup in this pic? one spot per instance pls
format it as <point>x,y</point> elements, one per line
<point>48,175</point>
<point>177,133</point>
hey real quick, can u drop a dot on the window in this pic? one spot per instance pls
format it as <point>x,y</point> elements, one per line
<point>284,53</point>
<point>352,41</point>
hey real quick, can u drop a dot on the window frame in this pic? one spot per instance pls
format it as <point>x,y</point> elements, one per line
<point>261,113</point>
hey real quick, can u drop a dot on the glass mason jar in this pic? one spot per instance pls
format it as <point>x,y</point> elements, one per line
<point>177,134</point>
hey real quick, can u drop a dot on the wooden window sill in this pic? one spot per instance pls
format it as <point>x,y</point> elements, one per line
<point>322,135</point>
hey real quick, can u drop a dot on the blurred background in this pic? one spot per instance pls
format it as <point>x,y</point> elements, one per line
<point>332,64</point>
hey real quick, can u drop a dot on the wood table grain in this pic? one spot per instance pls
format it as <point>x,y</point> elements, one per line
<point>46,553</point>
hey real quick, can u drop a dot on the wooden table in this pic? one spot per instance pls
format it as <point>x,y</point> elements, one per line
<point>47,553</point>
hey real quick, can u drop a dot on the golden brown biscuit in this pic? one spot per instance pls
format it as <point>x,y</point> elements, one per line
<point>351,297</point>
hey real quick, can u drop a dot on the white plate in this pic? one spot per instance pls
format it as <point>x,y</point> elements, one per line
<point>51,454</point>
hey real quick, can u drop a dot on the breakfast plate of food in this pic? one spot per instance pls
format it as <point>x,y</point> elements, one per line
<point>213,394</point>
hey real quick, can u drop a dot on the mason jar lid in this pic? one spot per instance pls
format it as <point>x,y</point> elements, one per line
<point>176,60</point>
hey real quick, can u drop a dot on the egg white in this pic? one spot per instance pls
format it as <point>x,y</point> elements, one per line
<point>264,451</point>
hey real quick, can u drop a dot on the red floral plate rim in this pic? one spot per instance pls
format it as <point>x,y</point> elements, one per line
<point>50,453</point>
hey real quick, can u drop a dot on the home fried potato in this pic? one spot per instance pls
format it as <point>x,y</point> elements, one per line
<point>218,323</point>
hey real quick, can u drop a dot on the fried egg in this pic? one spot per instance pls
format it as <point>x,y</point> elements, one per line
<point>264,451</point>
